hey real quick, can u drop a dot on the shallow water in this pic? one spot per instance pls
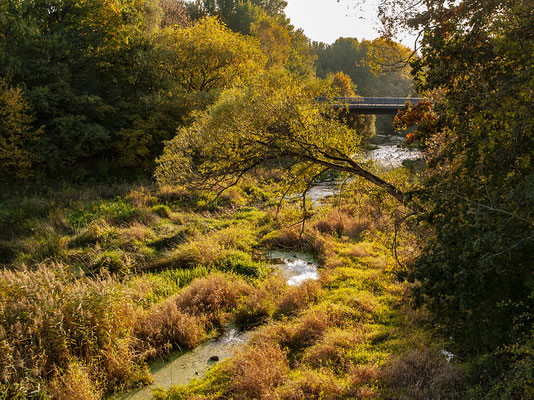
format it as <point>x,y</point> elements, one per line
<point>322,190</point>
<point>390,153</point>
<point>180,368</point>
<point>297,267</point>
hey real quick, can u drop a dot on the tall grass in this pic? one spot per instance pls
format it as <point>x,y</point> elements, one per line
<point>48,319</point>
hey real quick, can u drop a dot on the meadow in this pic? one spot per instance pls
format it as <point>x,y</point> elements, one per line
<point>98,282</point>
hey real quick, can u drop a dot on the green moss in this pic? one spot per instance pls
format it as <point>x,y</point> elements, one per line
<point>241,263</point>
<point>113,260</point>
<point>162,210</point>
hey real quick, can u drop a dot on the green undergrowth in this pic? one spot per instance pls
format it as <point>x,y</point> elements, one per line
<point>96,282</point>
<point>356,337</point>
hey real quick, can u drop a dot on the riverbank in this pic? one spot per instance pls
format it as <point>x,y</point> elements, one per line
<point>357,338</point>
<point>120,275</point>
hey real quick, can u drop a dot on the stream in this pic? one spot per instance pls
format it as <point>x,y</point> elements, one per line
<point>390,153</point>
<point>180,368</point>
<point>387,153</point>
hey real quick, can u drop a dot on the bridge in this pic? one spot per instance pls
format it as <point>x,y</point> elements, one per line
<point>372,105</point>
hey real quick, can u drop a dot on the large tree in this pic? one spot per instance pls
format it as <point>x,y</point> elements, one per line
<point>476,274</point>
<point>76,63</point>
<point>273,119</point>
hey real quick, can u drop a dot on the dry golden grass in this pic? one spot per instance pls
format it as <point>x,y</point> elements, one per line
<point>364,302</point>
<point>49,320</point>
<point>423,374</point>
<point>136,232</point>
<point>172,193</point>
<point>343,221</point>
<point>330,351</point>
<point>334,262</point>
<point>239,237</point>
<point>232,196</point>
<point>360,250</point>
<point>141,197</point>
<point>212,297</point>
<point>363,374</point>
<point>366,393</point>
<point>200,251</point>
<point>258,371</point>
<point>297,298</point>
<point>260,303</point>
<point>74,383</point>
<point>166,327</point>
<point>311,384</point>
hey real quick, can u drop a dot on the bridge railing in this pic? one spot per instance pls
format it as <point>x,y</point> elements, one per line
<point>376,101</point>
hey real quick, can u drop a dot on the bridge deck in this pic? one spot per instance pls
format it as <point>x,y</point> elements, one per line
<point>373,105</point>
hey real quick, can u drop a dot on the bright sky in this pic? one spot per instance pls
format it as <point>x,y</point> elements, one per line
<point>327,20</point>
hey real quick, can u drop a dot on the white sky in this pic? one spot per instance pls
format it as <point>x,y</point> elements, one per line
<point>327,20</point>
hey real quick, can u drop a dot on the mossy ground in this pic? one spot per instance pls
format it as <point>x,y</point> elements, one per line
<point>97,282</point>
<point>357,337</point>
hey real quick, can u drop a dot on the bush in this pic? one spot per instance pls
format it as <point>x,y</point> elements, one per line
<point>47,321</point>
<point>240,263</point>
<point>258,370</point>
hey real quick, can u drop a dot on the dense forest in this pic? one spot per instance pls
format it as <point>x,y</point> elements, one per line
<point>154,154</point>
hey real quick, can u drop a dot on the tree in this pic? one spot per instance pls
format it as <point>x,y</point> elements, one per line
<point>363,124</point>
<point>272,119</point>
<point>174,13</point>
<point>76,61</point>
<point>378,68</point>
<point>275,41</point>
<point>206,56</point>
<point>17,134</point>
<point>476,273</point>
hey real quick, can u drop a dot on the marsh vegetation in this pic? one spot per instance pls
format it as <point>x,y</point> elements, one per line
<point>155,156</point>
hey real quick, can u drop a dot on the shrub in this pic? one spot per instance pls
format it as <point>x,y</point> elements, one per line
<point>258,370</point>
<point>423,374</point>
<point>74,383</point>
